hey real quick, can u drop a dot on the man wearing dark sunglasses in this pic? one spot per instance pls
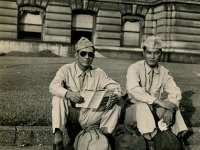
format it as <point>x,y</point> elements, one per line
<point>66,89</point>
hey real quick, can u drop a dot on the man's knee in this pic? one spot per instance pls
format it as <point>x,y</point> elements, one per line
<point>134,110</point>
<point>130,115</point>
<point>143,106</point>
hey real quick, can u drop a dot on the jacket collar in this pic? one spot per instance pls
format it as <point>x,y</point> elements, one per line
<point>79,71</point>
<point>148,69</point>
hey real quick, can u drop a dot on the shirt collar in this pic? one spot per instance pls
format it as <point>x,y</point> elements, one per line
<point>79,71</point>
<point>148,69</point>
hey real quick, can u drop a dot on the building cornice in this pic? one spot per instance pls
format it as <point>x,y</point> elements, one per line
<point>150,2</point>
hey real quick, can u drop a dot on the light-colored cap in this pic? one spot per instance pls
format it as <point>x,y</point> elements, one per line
<point>83,43</point>
<point>153,42</point>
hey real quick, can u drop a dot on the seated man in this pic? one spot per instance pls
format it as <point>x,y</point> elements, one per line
<point>146,81</point>
<point>66,86</point>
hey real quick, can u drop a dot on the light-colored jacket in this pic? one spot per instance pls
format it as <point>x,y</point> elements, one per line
<point>68,75</point>
<point>138,84</point>
<point>143,95</point>
<point>67,78</point>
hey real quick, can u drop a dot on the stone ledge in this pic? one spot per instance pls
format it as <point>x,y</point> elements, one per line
<point>42,135</point>
<point>7,135</point>
<point>175,55</point>
<point>49,147</point>
<point>36,135</point>
<point>43,147</point>
<point>28,135</point>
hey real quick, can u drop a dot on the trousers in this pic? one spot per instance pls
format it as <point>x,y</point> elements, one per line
<point>106,119</point>
<point>142,114</point>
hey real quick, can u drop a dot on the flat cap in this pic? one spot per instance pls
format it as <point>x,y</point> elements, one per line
<point>83,43</point>
<point>153,42</point>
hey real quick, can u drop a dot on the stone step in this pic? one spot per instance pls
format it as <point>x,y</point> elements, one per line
<point>49,147</point>
<point>42,135</point>
<point>46,147</point>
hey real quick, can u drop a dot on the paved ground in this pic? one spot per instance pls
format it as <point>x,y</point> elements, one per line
<point>41,138</point>
<point>49,147</point>
<point>42,147</point>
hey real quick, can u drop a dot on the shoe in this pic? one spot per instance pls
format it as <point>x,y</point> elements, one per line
<point>58,146</point>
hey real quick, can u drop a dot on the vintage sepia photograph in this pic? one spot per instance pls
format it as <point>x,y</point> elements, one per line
<point>99,74</point>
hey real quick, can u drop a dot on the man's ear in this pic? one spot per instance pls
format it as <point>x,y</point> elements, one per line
<point>161,53</point>
<point>76,55</point>
<point>143,52</point>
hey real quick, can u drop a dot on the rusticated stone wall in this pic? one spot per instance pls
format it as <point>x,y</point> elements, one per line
<point>177,23</point>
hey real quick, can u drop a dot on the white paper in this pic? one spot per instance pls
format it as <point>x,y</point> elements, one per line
<point>96,99</point>
<point>162,125</point>
<point>92,98</point>
<point>87,95</point>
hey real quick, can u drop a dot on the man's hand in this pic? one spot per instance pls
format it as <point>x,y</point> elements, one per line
<point>168,117</point>
<point>166,104</point>
<point>113,98</point>
<point>74,96</point>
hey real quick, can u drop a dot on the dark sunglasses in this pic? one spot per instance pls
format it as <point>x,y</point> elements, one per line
<point>84,53</point>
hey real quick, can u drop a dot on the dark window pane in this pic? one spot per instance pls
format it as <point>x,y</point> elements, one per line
<point>76,35</point>
<point>29,35</point>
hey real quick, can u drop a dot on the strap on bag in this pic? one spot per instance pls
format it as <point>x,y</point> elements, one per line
<point>87,130</point>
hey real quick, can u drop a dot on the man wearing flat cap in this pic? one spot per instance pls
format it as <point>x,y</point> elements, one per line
<point>66,87</point>
<point>153,93</point>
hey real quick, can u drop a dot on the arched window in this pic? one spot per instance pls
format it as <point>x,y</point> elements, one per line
<point>30,23</point>
<point>82,25</point>
<point>131,34</point>
<point>30,26</point>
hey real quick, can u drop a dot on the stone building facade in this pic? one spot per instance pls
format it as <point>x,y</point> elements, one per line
<point>116,27</point>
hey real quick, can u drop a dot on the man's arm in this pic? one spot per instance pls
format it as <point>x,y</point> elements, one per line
<point>174,92</point>
<point>56,87</point>
<point>173,98</point>
<point>106,82</point>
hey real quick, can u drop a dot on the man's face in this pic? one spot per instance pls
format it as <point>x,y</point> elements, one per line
<point>85,57</point>
<point>152,56</point>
